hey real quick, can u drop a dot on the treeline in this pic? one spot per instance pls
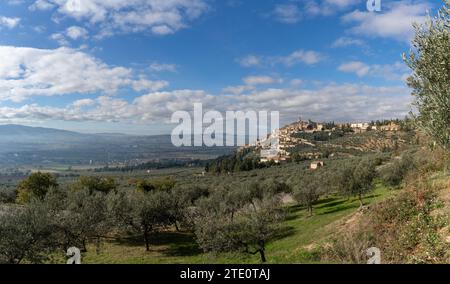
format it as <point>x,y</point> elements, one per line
<point>241,161</point>
<point>153,165</point>
<point>320,136</point>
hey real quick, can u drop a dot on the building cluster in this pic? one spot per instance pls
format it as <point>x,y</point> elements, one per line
<point>365,126</point>
<point>390,127</point>
<point>278,143</point>
<point>276,147</point>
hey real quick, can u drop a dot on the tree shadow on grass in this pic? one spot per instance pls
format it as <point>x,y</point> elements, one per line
<point>324,206</point>
<point>326,200</point>
<point>131,241</point>
<point>342,205</point>
<point>339,208</point>
<point>295,209</point>
<point>173,243</point>
<point>182,244</point>
<point>156,239</point>
<point>283,232</point>
<point>335,203</point>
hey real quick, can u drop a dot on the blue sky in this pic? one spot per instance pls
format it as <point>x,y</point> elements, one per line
<point>126,66</point>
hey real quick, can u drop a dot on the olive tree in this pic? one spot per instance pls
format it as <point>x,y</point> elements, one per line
<point>429,60</point>
<point>182,201</point>
<point>27,234</point>
<point>143,213</point>
<point>35,186</point>
<point>356,177</point>
<point>307,190</point>
<point>248,231</point>
<point>84,217</point>
<point>95,184</point>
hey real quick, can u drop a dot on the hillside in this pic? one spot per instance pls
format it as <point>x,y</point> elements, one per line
<point>296,244</point>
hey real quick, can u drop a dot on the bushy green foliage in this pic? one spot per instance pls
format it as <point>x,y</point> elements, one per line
<point>242,160</point>
<point>144,213</point>
<point>164,184</point>
<point>27,234</point>
<point>356,177</point>
<point>240,217</point>
<point>320,136</point>
<point>7,195</point>
<point>394,173</point>
<point>35,186</point>
<point>308,188</point>
<point>406,228</point>
<point>247,232</point>
<point>85,218</point>
<point>95,184</point>
<point>430,62</point>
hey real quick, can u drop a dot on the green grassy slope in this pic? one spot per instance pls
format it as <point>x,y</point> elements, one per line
<point>293,245</point>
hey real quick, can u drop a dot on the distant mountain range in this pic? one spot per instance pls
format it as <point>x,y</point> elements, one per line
<point>24,145</point>
<point>27,134</point>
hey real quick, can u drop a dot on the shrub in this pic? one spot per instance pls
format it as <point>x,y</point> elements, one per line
<point>35,186</point>
<point>404,227</point>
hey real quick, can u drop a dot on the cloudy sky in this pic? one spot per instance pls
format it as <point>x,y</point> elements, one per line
<point>127,65</point>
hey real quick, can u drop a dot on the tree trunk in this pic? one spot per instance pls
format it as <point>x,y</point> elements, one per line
<point>98,244</point>
<point>361,204</point>
<point>176,226</point>
<point>147,241</point>
<point>84,246</point>
<point>263,255</point>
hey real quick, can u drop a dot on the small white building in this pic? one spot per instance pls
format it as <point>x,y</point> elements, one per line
<point>316,165</point>
<point>362,126</point>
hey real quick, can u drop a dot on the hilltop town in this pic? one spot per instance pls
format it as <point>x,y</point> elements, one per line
<point>291,141</point>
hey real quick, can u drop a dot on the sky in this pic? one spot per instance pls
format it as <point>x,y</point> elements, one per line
<point>127,65</point>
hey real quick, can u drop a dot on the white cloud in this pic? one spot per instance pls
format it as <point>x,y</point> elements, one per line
<point>357,67</point>
<point>148,85</point>
<point>328,7</point>
<point>345,102</point>
<point>390,72</point>
<point>75,32</point>
<point>287,13</point>
<point>9,22</point>
<point>296,82</point>
<point>112,16</point>
<point>294,11</point>
<point>249,61</point>
<point>237,90</point>
<point>308,57</point>
<point>27,72</point>
<point>60,38</point>
<point>300,56</point>
<point>347,41</point>
<point>163,67</point>
<point>341,4</point>
<point>260,80</point>
<point>394,23</point>
<point>41,5</point>
<point>83,103</point>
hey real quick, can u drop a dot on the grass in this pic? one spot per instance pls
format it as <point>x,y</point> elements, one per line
<point>295,244</point>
